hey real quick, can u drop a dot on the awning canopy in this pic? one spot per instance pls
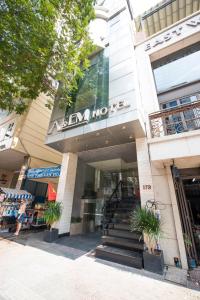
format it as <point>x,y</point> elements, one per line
<point>15,193</point>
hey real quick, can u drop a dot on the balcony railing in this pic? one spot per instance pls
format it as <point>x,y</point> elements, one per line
<point>175,120</point>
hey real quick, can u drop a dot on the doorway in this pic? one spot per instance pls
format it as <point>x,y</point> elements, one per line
<point>187,187</point>
<point>192,193</point>
<point>111,179</point>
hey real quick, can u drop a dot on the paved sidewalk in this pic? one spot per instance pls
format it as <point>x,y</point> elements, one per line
<point>30,273</point>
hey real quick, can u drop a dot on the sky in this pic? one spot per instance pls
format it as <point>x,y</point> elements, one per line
<point>140,6</point>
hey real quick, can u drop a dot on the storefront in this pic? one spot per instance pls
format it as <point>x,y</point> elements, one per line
<point>10,201</point>
<point>42,184</point>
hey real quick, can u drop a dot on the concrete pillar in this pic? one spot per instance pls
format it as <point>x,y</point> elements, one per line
<point>177,221</point>
<point>65,192</point>
<point>144,170</point>
<point>22,174</point>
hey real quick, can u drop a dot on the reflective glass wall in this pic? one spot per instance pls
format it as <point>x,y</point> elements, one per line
<point>177,69</point>
<point>93,88</point>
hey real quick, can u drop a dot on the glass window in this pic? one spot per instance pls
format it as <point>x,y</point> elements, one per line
<point>93,88</point>
<point>177,70</point>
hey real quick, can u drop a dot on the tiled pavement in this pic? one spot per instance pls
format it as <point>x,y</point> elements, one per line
<point>31,269</point>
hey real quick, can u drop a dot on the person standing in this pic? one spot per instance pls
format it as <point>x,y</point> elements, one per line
<point>21,216</point>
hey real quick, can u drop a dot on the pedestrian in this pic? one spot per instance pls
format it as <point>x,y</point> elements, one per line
<point>21,216</point>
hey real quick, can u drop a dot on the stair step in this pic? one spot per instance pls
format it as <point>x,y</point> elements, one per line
<point>121,256</point>
<point>122,243</point>
<point>123,226</point>
<point>125,234</point>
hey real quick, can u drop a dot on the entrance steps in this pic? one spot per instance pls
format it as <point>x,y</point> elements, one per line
<point>123,243</point>
<point>125,234</point>
<point>121,256</point>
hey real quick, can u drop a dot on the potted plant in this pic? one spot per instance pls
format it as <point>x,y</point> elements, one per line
<point>188,244</point>
<point>145,221</point>
<point>76,226</point>
<point>51,215</point>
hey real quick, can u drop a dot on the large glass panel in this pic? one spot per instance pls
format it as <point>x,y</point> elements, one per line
<point>93,88</point>
<point>177,70</point>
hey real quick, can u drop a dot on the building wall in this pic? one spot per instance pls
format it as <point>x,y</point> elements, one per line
<point>31,133</point>
<point>5,178</point>
<point>155,155</point>
<point>123,82</point>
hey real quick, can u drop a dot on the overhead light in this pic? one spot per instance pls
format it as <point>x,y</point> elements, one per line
<point>193,180</point>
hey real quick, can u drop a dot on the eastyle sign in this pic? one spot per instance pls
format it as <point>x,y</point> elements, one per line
<point>81,118</point>
<point>172,33</point>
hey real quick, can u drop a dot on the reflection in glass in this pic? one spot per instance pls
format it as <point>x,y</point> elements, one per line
<point>93,88</point>
<point>178,72</point>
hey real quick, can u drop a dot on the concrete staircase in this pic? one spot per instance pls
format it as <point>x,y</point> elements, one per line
<point>119,244</point>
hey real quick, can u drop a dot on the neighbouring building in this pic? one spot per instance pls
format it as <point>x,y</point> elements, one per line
<point>134,127</point>
<point>22,147</point>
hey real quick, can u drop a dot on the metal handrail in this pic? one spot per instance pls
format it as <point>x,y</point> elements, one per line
<point>175,120</point>
<point>104,211</point>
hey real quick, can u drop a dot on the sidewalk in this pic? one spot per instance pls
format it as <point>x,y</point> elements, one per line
<point>44,273</point>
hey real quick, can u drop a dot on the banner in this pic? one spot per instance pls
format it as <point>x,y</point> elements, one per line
<point>51,192</point>
<point>43,172</point>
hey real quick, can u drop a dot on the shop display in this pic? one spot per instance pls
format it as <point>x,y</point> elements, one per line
<point>10,200</point>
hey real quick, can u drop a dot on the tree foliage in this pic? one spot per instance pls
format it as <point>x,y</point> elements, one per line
<point>41,40</point>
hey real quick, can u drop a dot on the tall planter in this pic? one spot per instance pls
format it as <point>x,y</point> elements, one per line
<point>154,262</point>
<point>52,215</point>
<point>51,235</point>
<point>146,221</point>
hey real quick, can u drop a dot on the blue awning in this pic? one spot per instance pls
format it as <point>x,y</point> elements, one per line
<point>50,172</point>
<point>15,193</point>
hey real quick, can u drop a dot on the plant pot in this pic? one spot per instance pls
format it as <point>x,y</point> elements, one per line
<point>51,236</point>
<point>154,262</point>
<point>192,263</point>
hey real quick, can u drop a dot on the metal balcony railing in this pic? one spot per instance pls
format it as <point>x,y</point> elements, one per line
<point>175,120</point>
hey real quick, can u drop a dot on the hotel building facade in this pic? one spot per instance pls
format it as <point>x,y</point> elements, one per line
<point>136,119</point>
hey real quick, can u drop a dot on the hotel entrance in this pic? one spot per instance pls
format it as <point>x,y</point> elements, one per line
<point>108,185</point>
<point>110,176</point>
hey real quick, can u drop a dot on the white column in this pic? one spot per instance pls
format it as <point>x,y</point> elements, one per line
<point>177,221</point>
<point>22,173</point>
<point>65,192</point>
<point>144,170</point>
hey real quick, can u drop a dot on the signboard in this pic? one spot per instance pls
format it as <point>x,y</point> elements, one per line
<point>174,32</point>
<point>43,172</point>
<point>81,118</point>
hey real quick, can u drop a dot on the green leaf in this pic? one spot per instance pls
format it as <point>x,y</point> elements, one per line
<point>32,51</point>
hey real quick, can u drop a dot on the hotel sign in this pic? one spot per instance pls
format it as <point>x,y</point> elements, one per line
<point>81,118</point>
<point>174,32</point>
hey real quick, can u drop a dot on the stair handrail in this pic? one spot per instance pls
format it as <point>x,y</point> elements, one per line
<point>110,201</point>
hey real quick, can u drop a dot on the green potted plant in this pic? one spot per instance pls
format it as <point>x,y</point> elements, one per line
<point>76,226</point>
<point>145,221</point>
<point>51,215</point>
<point>188,245</point>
